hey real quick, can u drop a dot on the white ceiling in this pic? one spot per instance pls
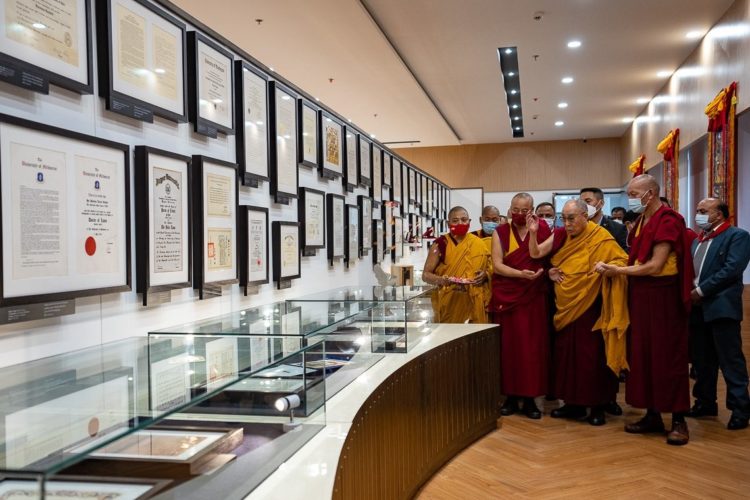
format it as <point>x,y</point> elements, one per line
<point>450,46</point>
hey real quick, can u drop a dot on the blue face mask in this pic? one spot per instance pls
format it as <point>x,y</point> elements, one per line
<point>489,227</point>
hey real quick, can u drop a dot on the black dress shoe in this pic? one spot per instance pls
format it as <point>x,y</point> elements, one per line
<point>596,418</point>
<point>530,409</point>
<point>649,423</point>
<point>736,423</point>
<point>510,407</point>
<point>613,408</point>
<point>569,411</point>
<point>700,409</point>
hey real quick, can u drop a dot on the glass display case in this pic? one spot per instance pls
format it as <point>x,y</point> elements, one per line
<point>345,351</point>
<point>144,415</point>
<point>394,318</point>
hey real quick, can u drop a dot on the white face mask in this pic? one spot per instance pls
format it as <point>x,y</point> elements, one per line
<point>616,220</point>
<point>550,221</point>
<point>701,220</point>
<point>591,211</point>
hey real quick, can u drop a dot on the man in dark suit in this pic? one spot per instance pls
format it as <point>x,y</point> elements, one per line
<point>720,256</point>
<point>594,198</point>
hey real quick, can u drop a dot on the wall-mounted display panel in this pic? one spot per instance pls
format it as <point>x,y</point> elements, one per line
<point>210,86</point>
<point>312,218</point>
<point>142,60</point>
<point>65,201</point>
<point>332,146</point>
<point>387,170</point>
<point>163,221</point>
<point>309,133</point>
<point>365,224</point>
<point>378,241</point>
<point>252,108</point>
<point>376,190</point>
<point>352,235</point>
<point>254,267</point>
<point>335,223</point>
<point>397,179</point>
<point>351,170</point>
<point>42,45</point>
<point>284,168</point>
<point>214,222</point>
<point>364,152</point>
<point>286,246</point>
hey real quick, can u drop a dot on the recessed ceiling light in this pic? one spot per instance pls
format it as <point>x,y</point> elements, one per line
<point>350,120</point>
<point>663,73</point>
<point>559,123</point>
<point>372,135</point>
<point>567,79</point>
<point>318,100</point>
<point>508,51</point>
<point>518,128</point>
<point>271,69</point>
<point>511,73</point>
<point>562,105</point>
<point>642,100</point>
<point>627,119</point>
<point>574,44</point>
<point>513,92</point>
<point>693,35</point>
<point>516,118</point>
<point>515,106</point>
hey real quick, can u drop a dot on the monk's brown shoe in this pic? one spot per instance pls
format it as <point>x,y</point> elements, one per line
<point>679,434</point>
<point>649,423</point>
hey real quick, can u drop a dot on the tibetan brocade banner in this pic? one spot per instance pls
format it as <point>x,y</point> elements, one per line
<point>722,147</point>
<point>637,166</point>
<point>669,147</point>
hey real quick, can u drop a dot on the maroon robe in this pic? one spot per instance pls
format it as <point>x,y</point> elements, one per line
<point>519,306</point>
<point>659,310</point>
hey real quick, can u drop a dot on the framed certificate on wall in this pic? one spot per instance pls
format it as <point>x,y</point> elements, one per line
<point>397,178</point>
<point>251,90</point>
<point>42,45</point>
<point>309,133</point>
<point>335,208</point>
<point>332,146</point>
<point>65,201</point>
<point>365,161</point>
<point>376,190</point>
<point>412,181</point>
<point>351,170</point>
<point>214,222</point>
<point>142,61</point>
<point>351,253</point>
<point>365,224</point>
<point>211,86</point>
<point>387,170</point>
<point>284,169</point>
<point>398,238</point>
<point>254,267</point>
<point>312,218</point>
<point>162,220</point>
<point>423,195</point>
<point>286,245</point>
<point>378,241</point>
<point>388,228</point>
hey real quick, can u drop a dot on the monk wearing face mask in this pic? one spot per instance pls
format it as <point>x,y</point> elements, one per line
<point>459,264</point>
<point>519,306</point>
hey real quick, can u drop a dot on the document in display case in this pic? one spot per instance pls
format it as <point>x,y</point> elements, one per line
<point>86,487</point>
<point>142,61</point>
<point>211,86</point>
<point>45,43</point>
<point>65,214</point>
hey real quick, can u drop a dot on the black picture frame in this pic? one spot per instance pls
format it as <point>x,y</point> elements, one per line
<point>41,296</point>
<point>333,227</point>
<point>144,211</point>
<point>250,178</point>
<point>387,169</point>
<point>202,125</point>
<point>376,188</point>
<point>411,184</point>
<point>378,240</point>
<point>352,246</point>
<point>350,179</point>
<point>332,137</point>
<point>282,194</point>
<point>309,249</point>
<point>365,225</point>
<point>397,250</point>
<point>199,256</point>
<point>276,228</point>
<point>364,158</point>
<point>304,105</point>
<point>120,102</point>
<point>246,280</point>
<point>397,179</point>
<point>35,77</point>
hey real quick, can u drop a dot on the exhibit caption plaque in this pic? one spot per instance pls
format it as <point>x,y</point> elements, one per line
<point>65,214</point>
<point>211,86</point>
<point>142,62</point>
<point>163,221</point>
<point>215,224</point>
<point>252,108</point>
<point>46,41</point>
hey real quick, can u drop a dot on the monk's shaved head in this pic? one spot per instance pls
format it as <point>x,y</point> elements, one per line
<point>490,211</point>
<point>456,210</point>
<point>645,182</point>
<point>523,196</point>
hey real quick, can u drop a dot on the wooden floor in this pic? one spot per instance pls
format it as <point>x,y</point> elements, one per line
<point>551,458</point>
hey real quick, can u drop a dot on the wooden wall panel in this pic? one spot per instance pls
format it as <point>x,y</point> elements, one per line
<point>420,417</point>
<point>523,166</point>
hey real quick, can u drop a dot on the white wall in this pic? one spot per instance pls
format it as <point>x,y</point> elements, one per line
<point>116,316</point>
<point>471,200</point>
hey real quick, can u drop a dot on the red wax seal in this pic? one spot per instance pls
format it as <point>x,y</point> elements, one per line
<point>90,245</point>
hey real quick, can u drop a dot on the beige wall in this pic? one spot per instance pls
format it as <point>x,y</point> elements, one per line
<point>722,57</point>
<point>523,166</point>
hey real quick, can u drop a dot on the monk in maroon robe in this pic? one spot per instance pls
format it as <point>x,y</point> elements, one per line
<point>519,306</point>
<point>660,274</point>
